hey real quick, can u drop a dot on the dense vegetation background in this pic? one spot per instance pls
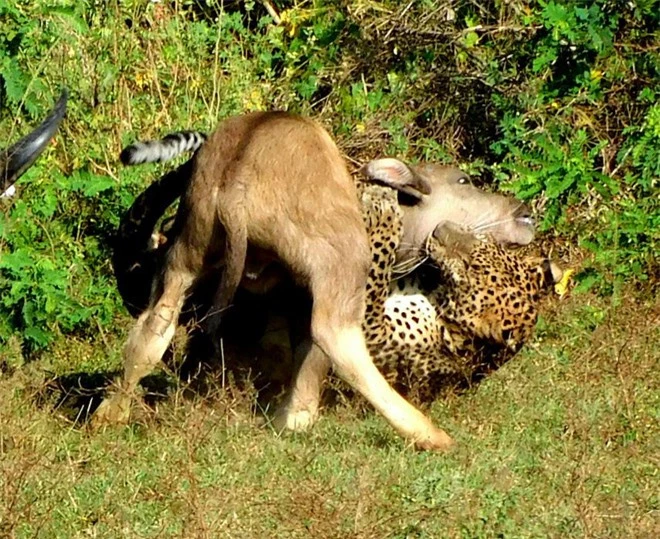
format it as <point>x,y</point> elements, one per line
<point>554,101</point>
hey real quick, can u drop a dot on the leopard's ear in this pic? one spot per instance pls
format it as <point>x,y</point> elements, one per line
<point>455,238</point>
<point>548,272</point>
<point>398,175</point>
<point>552,273</point>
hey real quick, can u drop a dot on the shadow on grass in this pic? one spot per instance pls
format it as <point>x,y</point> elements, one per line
<point>76,396</point>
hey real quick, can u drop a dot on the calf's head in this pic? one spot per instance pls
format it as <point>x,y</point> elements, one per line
<point>432,193</point>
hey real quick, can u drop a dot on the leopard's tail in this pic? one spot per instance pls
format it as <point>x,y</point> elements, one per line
<point>157,151</point>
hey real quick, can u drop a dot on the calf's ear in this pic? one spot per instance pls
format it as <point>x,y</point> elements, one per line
<point>396,174</point>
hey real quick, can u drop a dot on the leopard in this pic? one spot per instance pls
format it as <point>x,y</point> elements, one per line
<point>468,308</point>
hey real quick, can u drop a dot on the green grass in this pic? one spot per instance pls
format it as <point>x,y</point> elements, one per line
<point>561,442</point>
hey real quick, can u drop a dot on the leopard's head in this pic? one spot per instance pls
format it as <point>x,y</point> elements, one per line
<point>492,293</point>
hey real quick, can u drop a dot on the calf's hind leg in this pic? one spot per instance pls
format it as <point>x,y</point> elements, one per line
<point>351,361</point>
<point>301,407</point>
<point>149,338</point>
<point>337,313</point>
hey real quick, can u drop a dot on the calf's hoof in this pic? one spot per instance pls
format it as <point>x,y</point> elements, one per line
<point>114,410</point>
<point>436,440</point>
<point>294,420</point>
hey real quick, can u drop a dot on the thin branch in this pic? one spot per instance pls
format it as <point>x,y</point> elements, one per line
<point>272,11</point>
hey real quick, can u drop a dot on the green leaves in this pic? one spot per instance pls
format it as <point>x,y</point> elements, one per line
<point>621,215</point>
<point>583,139</point>
<point>71,15</point>
<point>557,101</point>
<point>471,39</point>
<point>87,183</point>
<point>571,24</point>
<point>53,268</point>
<point>15,81</point>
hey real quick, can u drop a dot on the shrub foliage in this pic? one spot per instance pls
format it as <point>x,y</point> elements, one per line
<point>554,101</point>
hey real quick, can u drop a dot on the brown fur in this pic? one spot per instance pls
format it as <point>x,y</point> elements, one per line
<point>279,182</point>
<point>429,194</point>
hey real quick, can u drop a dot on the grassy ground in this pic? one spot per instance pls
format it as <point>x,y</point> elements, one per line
<point>561,442</point>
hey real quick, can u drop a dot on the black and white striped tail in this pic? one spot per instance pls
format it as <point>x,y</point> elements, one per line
<point>157,151</point>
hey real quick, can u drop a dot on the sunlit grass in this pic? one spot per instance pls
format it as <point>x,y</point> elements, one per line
<point>561,442</point>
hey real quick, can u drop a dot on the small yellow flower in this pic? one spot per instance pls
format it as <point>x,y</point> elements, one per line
<point>254,100</point>
<point>562,286</point>
<point>141,80</point>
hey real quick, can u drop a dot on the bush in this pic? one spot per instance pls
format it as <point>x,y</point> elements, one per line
<point>555,101</point>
